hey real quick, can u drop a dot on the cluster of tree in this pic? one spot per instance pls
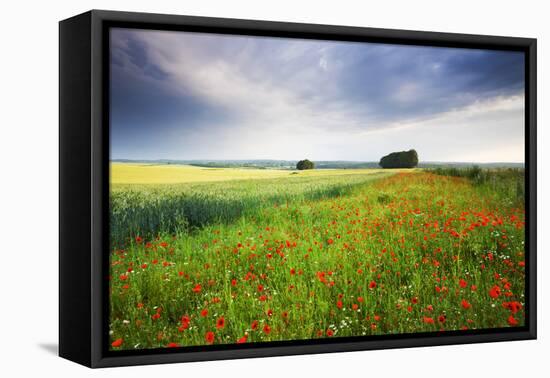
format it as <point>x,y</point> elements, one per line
<point>403,159</point>
<point>305,164</point>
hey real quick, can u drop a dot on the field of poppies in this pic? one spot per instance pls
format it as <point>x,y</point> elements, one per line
<point>293,258</point>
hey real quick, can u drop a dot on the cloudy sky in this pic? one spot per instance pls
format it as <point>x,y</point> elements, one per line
<point>179,95</point>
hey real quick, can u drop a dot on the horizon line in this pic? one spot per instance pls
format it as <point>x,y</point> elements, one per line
<point>313,160</point>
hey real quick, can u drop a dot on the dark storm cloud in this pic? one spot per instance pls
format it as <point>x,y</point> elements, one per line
<point>195,94</point>
<point>399,82</point>
<point>135,53</point>
<point>142,106</point>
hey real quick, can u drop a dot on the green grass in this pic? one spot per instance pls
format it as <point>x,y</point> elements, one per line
<point>145,209</point>
<point>313,258</point>
<point>508,183</point>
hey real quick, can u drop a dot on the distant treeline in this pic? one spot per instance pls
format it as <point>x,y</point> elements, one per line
<point>435,165</point>
<point>291,164</point>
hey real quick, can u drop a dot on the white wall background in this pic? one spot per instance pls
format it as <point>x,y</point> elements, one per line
<point>29,185</point>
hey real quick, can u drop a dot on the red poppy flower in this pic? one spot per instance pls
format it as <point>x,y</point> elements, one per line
<point>428,320</point>
<point>172,345</point>
<point>512,321</point>
<point>209,337</point>
<point>204,312</point>
<point>197,288</point>
<point>494,292</point>
<point>116,343</point>
<point>465,304</point>
<point>138,239</point>
<point>462,283</point>
<point>330,332</point>
<point>330,241</point>
<point>185,319</point>
<point>372,285</point>
<point>339,304</point>
<point>514,307</point>
<point>254,325</point>
<point>441,318</point>
<point>242,339</point>
<point>267,329</point>
<point>220,323</point>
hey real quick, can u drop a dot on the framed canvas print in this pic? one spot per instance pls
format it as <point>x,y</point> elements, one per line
<point>234,188</point>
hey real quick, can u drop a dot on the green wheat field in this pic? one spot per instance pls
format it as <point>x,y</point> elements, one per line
<point>205,256</point>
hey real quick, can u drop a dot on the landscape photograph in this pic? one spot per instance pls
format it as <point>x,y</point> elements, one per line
<point>270,189</point>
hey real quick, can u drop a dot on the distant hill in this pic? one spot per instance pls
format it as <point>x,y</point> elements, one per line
<point>329,164</point>
<point>435,164</point>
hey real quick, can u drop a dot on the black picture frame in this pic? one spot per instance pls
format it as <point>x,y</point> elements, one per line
<point>84,186</point>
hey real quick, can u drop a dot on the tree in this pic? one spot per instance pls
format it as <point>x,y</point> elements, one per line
<point>305,164</point>
<point>402,159</point>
